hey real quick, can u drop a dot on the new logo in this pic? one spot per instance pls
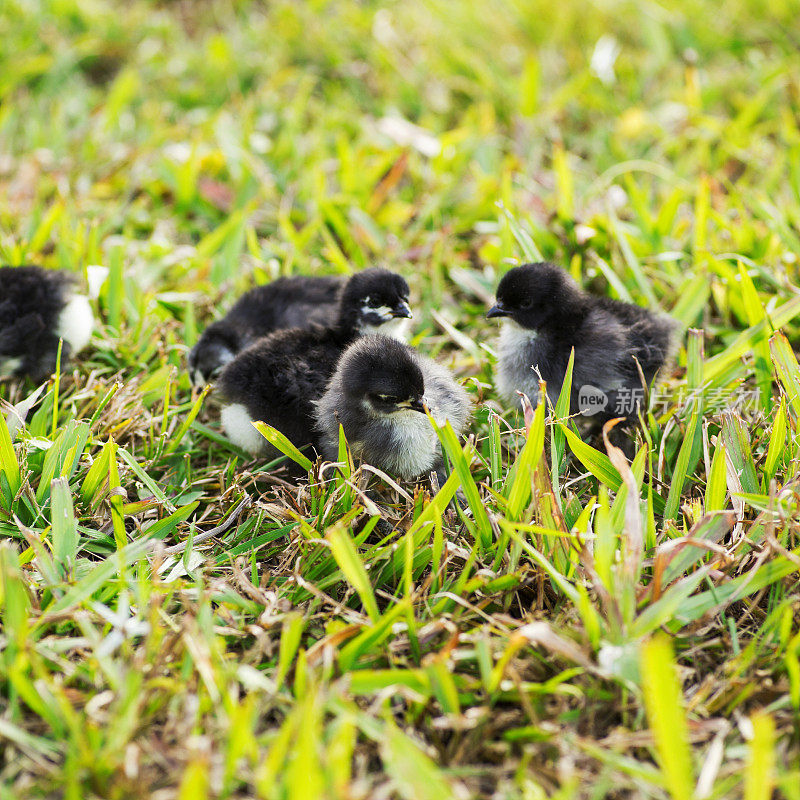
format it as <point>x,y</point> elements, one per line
<point>591,400</point>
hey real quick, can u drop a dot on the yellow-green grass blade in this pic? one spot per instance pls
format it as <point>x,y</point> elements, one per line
<point>759,775</point>
<point>291,633</point>
<point>692,300</point>
<point>195,780</point>
<point>737,451</point>
<point>663,702</point>
<point>63,456</point>
<point>461,458</point>
<point>339,755</point>
<point>520,490</point>
<point>787,369</point>
<point>304,776</point>
<point>187,421</point>
<point>606,540</point>
<point>64,530</point>
<point>214,241</point>
<point>682,465</point>
<point>716,366</point>
<point>14,599</point>
<point>45,226</point>
<point>736,588</point>
<point>281,443</point>
<point>414,775</point>
<point>420,531</point>
<point>375,681</point>
<point>164,527</point>
<point>273,765</point>
<point>596,462</point>
<point>711,528</point>
<point>349,561</point>
<point>115,288</point>
<point>564,182</point>
<point>777,444</point>
<point>555,575</point>
<point>9,467</point>
<point>562,410</point>
<point>664,609</point>
<point>443,686</point>
<point>116,499</point>
<point>146,479</point>
<point>372,637</point>
<point>94,580</point>
<point>523,238</point>
<point>695,357</point>
<point>642,281</point>
<point>495,452</point>
<point>97,475</point>
<point>761,350</point>
<point>716,484</point>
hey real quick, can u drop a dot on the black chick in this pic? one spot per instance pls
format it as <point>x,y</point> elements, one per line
<point>548,314</point>
<point>299,301</point>
<point>37,308</point>
<point>278,377</point>
<point>378,394</point>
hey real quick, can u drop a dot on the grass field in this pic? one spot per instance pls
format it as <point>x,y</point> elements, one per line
<point>588,628</point>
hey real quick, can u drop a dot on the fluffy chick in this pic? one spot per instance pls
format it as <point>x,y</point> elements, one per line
<point>278,377</point>
<point>378,394</point>
<point>547,314</point>
<point>37,308</point>
<point>289,302</point>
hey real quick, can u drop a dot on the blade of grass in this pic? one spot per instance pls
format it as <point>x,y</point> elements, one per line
<point>716,366</point>
<point>65,526</point>
<point>599,464</point>
<point>759,775</point>
<point>716,485</point>
<point>737,451</point>
<point>281,443</point>
<point>349,561</point>
<point>787,369</point>
<point>520,489</point>
<point>682,465</point>
<point>461,459</point>
<point>663,701</point>
<point>777,443</point>
<point>9,466</point>
<point>761,350</point>
<point>414,775</point>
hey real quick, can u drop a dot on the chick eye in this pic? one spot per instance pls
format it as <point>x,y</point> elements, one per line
<point>386,398</point>
<point>526,304</point>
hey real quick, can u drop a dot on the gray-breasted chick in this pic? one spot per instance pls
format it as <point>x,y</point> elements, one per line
<point>37,308</point>
<point>378,394</point>
<point>292,302</point>
<point>278,378</point>
<point>547,314</point>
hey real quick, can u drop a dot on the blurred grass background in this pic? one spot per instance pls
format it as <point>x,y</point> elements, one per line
<point>194,148</point>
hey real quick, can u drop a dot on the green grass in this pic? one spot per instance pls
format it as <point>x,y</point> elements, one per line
<point>587,628</point>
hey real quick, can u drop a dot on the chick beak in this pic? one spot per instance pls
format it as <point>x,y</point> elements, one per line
<point>402,309</point>
<point>497,310</point>
<point>418,405</point>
